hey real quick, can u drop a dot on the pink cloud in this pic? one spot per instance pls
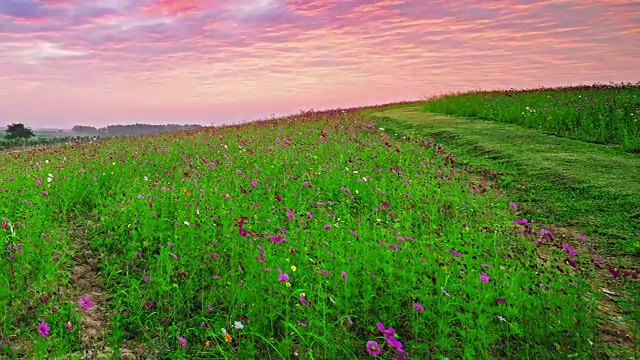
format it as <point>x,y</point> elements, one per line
<point>214,60</point>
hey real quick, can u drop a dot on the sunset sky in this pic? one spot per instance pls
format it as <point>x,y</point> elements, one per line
<point>100,62</point>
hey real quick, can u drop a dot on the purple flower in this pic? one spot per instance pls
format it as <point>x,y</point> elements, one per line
<point>353,233</point>
<point>344,275</point>
<point>327,227</point>
<point>147,279</point>
<point>44,329</point>
<point>183,341</point>
<point>598,260</point>
<point>283,277</point>
<point>569,249</point>
<point>418,307</point>
<point>394,342</point>
<point>85,303</point>
<point>484,277</point>
<point>385,331</point>
<point>499,300</point>
<point>174,256</point>
<point>373,348</point>
<point>456,253</point>
<point>148,305</point>
<point>513,205</point>
<point>486,265</point>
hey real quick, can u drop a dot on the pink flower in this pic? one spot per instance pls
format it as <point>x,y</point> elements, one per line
<point>283,277</point>
<point>385,331</point>
<point>418,307</point>
<point>44,329</point>
<point>85,303</point>
<point>183,342</point>
<point>147,279</point>
<point>484,277</point>
<point>344,275</point>
<point>373,348</point>
<point>513,205</point>
<point>327,227</point>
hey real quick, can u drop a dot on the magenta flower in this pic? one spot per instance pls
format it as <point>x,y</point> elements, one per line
<point>147,279</point>
<point>418,307</point>
<point>373,348</point>
<point>385,331</point>
<point>174,256</point>
<point>283,277</point>
<point>513,205</point>
<point>44,329</point>
<point>85,303</point>
<point>456,253</point>
<point>499,300</point>
<point>148,305</point>
<point>395,343</point>
<point>327,227</point>
<point>484,277</point>
<point>344,275</point>
<point>598,260</point>
<point>183,342</point>
<point>569,249</point>
<point>353,233</point>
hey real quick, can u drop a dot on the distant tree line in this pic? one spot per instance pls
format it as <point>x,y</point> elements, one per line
<point>131,130</point>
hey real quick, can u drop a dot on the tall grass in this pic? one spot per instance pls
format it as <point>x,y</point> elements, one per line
<point>603,114</point>
<point>306,237</point>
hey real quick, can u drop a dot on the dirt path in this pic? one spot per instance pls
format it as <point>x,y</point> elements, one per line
<point>92,298</point>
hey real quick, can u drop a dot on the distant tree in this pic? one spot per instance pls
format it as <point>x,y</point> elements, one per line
<point>18,131</point>
<point>84,129</point>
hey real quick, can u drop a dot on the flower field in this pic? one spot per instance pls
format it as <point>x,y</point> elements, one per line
<point>318,236</point>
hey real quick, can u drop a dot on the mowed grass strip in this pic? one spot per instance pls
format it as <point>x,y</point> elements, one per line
<point>589,187</point>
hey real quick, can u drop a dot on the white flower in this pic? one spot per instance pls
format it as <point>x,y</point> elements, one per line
<point>382,129</point>
<point>238,325</point>
<point>146,178</point>
<point>501,318</point>
<point>187,223</point>
<point>51,175</point>
<point>49,179</point>
<point>224,331</point>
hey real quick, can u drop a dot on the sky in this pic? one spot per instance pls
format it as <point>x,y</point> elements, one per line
<point>101,62</point>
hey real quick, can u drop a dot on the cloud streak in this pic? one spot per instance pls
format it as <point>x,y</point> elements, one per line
<point>96,62</point>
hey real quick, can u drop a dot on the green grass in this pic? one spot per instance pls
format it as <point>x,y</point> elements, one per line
<point>603,114</point>
<point>302,237</point>
<point>560,181</point>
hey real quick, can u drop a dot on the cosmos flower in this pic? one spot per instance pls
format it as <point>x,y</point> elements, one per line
<point>373,348</point>
<point>183,342</point>
<point>44,329</point>
<point>484,277</point>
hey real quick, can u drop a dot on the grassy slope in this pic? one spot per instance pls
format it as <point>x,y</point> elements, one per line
<point>560,181</point>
